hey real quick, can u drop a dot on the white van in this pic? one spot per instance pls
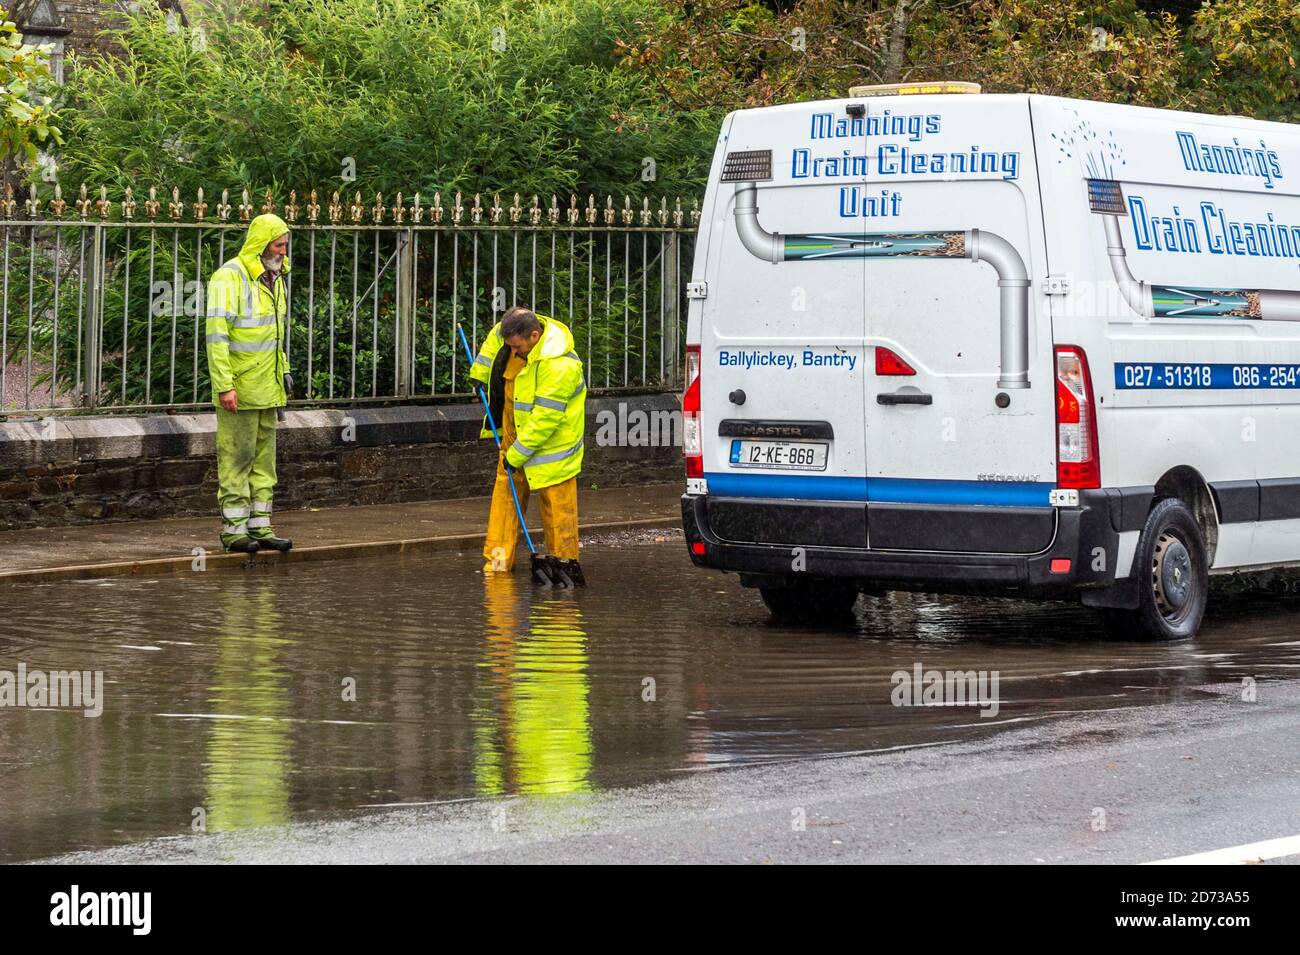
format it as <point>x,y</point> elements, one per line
<point>996,343</point>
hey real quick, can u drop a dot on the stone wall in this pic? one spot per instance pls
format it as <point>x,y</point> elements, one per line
<point>84,470</point>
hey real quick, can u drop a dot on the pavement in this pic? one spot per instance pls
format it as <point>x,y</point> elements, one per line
<point>172,545</point>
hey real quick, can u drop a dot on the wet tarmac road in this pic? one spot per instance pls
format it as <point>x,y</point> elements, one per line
<point>228,697</point>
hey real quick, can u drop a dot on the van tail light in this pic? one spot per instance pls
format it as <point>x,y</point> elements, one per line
<point>1077,462</point>
<point>692,445</point>
<point>888,363</point>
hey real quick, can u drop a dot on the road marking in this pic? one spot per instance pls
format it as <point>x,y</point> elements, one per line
<point>1240,855</point>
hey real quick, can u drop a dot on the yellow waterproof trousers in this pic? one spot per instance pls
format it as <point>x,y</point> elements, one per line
<point>245,472</point>
<point>559,519</point>
<point>559,501</point>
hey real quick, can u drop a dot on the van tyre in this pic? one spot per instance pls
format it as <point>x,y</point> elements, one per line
<point>1174,577</point>
<point>811,601</point>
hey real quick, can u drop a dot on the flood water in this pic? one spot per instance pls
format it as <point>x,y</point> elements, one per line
<point>229,697</point>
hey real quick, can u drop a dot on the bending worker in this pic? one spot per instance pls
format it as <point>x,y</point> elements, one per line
<point>247,317</point>
<point>536,392</point>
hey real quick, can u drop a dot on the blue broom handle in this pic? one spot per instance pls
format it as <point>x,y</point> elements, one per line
<point>469,354</point>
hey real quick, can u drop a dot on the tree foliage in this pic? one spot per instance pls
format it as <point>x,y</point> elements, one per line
<point>1225,56</point>
<point>25,122</point>
<point>463,94</point>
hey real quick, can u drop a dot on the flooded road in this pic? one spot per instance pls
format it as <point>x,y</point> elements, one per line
<point>301,693</point>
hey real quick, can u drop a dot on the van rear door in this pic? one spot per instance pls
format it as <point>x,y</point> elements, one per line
<point>783,356</point>
<point>958,457</point>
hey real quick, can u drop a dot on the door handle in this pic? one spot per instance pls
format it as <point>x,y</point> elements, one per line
<point>904,398</point>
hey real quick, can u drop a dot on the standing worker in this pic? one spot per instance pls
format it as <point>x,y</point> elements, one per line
<point>247,324</point>
<point>536,391</point>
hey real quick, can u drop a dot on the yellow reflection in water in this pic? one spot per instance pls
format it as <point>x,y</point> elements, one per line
<point>532,724</point>
<point>247,759</point>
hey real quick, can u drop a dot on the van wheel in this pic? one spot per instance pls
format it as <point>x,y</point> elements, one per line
<point>811,601</point>
<point>1175,582</point>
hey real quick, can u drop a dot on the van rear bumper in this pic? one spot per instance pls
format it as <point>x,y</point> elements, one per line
<point>1078,533</point>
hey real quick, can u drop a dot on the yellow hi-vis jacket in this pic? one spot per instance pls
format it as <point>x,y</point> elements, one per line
<point>246,324</point>
<point>550,404</point>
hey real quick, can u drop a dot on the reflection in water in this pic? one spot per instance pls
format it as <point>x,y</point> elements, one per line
<point>248,744</point>
<point>216,695</point>
<point>532,729</point>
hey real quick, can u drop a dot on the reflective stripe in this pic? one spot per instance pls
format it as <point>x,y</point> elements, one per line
<point>551,403</point>
<point>259,522</point>
<point>267,345</point>
<point>483,360</point>
<point>217,338</point>
<point>234,513</point>
<point>554,455</point>
<point>234,528</point>
<point>249,298</point>
<point>253,322</point>
<point>573,355</point>
<point>582,386</point>
<point>222,313</point>
<point>524,406</point>
<point>261,507</point>
<point>249,306</point>
<point>523,449</point>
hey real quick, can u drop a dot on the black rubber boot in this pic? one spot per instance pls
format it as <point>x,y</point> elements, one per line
<point>242,545</point>
<point>574,570</point>
<point>281,544</point>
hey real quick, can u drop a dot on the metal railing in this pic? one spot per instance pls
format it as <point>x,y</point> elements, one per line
<point>102,302</point>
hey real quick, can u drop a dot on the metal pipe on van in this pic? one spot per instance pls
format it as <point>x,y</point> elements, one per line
<point>972,244</point>
<point>1137,293</point>
<point>1185,301</point>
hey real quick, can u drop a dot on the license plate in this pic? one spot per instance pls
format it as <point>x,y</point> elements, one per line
<point>791,455</point>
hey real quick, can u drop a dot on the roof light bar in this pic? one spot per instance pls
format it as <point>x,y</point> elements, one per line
<point>914,89</point>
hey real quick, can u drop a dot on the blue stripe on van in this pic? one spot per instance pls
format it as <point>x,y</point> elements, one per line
<point>884,490</point>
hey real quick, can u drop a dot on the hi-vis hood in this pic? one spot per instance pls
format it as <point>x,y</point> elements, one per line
<point>556,340</point>
<point>262,231</point>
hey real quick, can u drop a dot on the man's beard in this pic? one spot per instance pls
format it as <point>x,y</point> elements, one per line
<point>272,263</point>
